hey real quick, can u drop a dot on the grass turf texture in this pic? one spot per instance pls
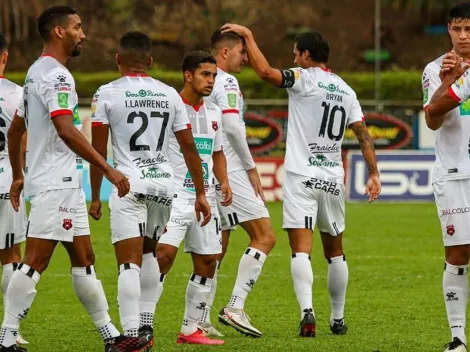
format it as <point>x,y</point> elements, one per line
<point>394,300</point>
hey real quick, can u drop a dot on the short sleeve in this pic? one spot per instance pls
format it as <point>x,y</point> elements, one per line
<point>460,90</point>
<point>430,82</point>
<point>227,95</point>
<point>101,106</point>
<point>218,140</point>
<point>181,121</point>
<point>356,113</point>
<point>294,79</point>
<point>58,90</point>
<point>20,103</point>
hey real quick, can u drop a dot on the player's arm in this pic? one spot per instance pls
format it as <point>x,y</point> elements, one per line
<point>15,134</point>
<point>24,140</point>
<point>99,141</point>
<point>256,57</point>
<point>220,172</point>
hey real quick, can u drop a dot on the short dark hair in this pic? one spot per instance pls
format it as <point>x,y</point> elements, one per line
<point>460,12</point>
<point>229,39</point>
<point>315,44</point>
<point>51,17</point>
<point>194,59</point>
<point>3,43</point>
<point>135,48</point>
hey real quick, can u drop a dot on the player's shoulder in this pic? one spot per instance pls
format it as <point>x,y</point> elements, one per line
<point>10,86</point>
<point>226,80</point>
<point>435,65</point>
<point>210,106</point>
<point>333,83</point>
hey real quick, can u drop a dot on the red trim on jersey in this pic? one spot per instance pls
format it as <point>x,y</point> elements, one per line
<point>47,55</point>
<point>61,112</point>
<point>189,126</point>
<point>230,111</point>
<point>2,76</point>
<point>96,124</point>
<point>195,107</point>
<point>363,118</point>
<point>134,74</point>
<point>453,95</point>
<point>426,108</point>
<point>326,69</point>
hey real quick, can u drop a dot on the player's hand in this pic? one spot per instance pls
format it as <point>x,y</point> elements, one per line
<point>256,183</point>
<point>226,193</point>
<point>201,206</point>
<point>452,67</point>
<point>95,209</point>
<point>119,180</point>
<point>15,193</point>
<point>240,30</point>
<point>373,188</point>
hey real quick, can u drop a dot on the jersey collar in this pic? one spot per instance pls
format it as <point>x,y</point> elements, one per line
<point>195,107</point>
<point>133,74</point>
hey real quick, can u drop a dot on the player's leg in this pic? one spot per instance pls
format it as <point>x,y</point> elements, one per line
<point>43,232</point>
<point>299,217</point>
<point>151,286</point>
<point>250,212</point>
<point>12,233</point>
<point>453,204</point>
<point>204,244</point>
<point>331,224</point>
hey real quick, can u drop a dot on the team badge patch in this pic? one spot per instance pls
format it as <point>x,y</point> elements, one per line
<point>215,125</point>
<point>67,224</point>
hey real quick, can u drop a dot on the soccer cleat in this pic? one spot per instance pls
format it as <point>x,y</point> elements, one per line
<point>128,344</point>
<point>20,340</point>
<point>339,327</point>
<point>239,320</point>
<point>197,338</point>
<point>13,348</point>
<point>307,326</point>
<point>455,346</point>
<point>209,330</point>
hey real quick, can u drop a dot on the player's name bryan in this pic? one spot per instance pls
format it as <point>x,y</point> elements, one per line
<point>147,103</point>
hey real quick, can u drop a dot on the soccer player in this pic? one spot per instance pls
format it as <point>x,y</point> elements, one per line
<point>321,105</point>
<point>142,113</point>
<point>12,224</point>
<point>247,208</point>
<point>204,244</point>
<point>446,115</point>
<point>55,148</point>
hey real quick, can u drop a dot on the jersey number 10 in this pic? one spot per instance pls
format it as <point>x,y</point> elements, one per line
<point>329,119</point>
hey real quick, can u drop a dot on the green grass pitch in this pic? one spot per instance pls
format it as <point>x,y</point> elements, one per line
<point>394,300</point>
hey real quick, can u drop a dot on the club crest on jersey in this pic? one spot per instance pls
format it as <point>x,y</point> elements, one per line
<point>67,224</point>
<point>215,125</point>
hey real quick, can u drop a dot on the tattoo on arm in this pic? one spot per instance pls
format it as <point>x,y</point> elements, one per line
<point>366,144</point>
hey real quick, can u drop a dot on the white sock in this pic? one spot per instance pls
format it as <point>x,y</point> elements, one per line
<point>302,276</point>
<point>8,270</point>
<point>196,299</point>
<point>249,270</point>
<point>338,275</point>
<point>455,285</point>
<point>20,295</point>
<point>90,293</point>
<point>149,283</point>
<point>206,316</point>
<point>129,298</point>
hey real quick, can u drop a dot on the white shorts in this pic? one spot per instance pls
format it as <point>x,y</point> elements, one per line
<point>245,205</point>
<point>58,215</point>
<point>183,225</point>
<point>309,201</point>
<point>453,208</point>
<point>138,215</point>
<point>12,223</point>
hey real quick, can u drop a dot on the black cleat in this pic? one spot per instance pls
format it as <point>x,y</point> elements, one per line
<point>307,326</point>
<point>455,345</point>
<point>128,344</point>
<point>339,327</point>
<point>146,336</point>
<point>13,348</point>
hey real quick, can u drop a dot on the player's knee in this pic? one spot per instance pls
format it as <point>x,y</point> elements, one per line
<point>37,261</point>
<point>165,259</point>
<point>266,239</point>
<point>457,255</point>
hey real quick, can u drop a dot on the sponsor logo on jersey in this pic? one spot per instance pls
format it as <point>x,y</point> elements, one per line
<point>144,93</point>
<point>325,186</point>
<point>63,99</point>
<point>455,211</point>
<point>317,148</point>
<point>204,145</point>
<point>5,196</point>
<point>76,116</point>
<point>159,200</point>
<point>141,163</point>
<point>79,162</point>
<point>152,174</point>
<point>232,100</point>
<point>2,170</point>
<point>67,210</point>
<point>28,80</point>
<point>321,161</point>
<point>425,95</point>
<point>332,88</point>
<point>465,108</point>
<point>188,180</point>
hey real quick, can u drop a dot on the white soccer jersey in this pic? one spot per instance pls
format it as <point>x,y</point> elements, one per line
<point>10,95</point>
<point>321,106</point>
<point>141,113</point>
<point>49,91</point>
<point>206,124</point>
<point>453,138</point>
<point>228,97</point>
